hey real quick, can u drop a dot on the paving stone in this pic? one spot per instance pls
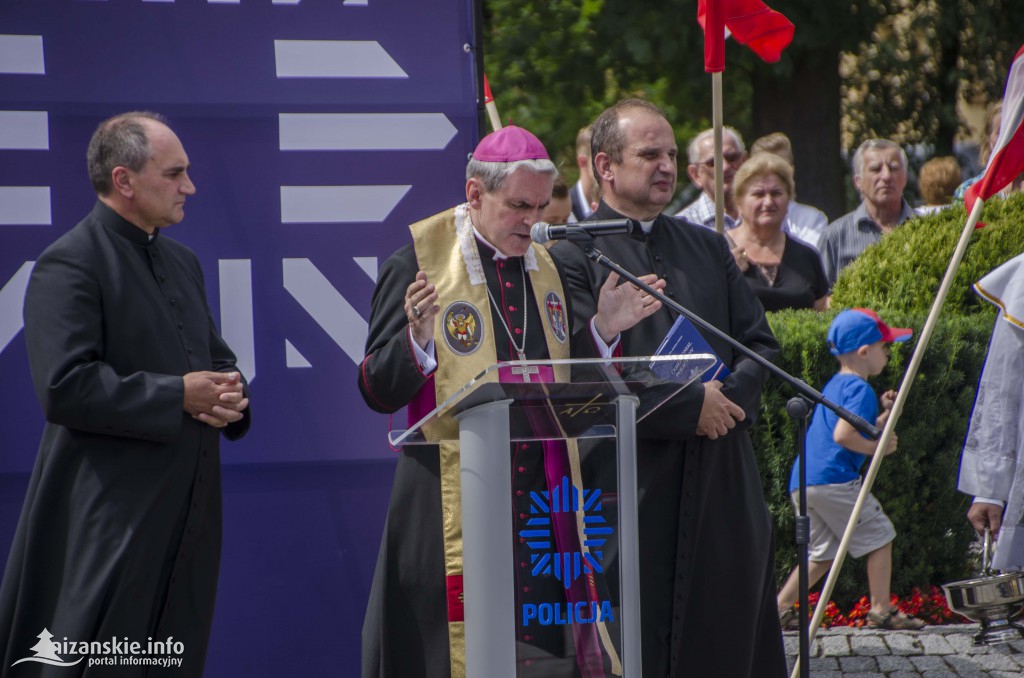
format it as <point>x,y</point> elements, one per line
<point>928,663</point>
<point>903,674</point>
<point>1004,649</point>
<point>894,664</point>
<point>966,667</point>
<point>960,642</point>
<point>936,645</point>
<point>835,646</point>
<point>904,644</point>
<point>824,664</point>
<point>852,664</point>
<point>998,662</point>
<point>943,673</point>
<point>864,674</point>
<point>868,645</point>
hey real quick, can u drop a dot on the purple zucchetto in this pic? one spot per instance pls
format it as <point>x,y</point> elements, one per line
<point>510,144</point>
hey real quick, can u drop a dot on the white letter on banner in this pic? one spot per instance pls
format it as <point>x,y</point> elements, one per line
<point>236,323</point>
<point>12,299</point>
<point>326,306</point>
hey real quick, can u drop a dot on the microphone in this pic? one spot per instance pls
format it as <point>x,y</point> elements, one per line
<point>542,232</point>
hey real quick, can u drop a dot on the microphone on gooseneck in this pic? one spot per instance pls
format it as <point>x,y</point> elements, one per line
<point>542,232</point>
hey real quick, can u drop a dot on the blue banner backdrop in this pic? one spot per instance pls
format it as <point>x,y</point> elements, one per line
<point>317,131</point>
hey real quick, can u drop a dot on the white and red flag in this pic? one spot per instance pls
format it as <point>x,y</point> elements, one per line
<point>751,22</point>
<point>1007,159</point>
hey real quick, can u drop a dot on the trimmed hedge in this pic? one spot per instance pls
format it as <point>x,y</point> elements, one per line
<point>898,277</point>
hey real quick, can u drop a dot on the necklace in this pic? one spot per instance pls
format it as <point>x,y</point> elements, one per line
<point>520,350</point>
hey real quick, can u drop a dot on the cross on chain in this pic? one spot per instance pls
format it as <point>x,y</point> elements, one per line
<point>524,370</point>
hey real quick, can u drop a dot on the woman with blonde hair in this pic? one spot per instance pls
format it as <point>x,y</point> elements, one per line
<point>782,271</point>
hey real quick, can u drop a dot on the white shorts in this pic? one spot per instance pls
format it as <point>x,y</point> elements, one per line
<point>829,508</point>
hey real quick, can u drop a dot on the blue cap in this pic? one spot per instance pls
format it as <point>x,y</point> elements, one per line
<point>856,327</point>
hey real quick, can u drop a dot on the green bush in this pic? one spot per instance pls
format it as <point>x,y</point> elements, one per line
<point>899,277</point>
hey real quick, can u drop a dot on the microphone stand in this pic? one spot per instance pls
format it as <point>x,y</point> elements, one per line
<point>798,411</point>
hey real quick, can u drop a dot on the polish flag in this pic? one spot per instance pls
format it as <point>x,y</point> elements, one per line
<point>1007,159</point>
<point>751,22</point>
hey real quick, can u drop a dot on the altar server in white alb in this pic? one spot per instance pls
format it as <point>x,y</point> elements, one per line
<point>991,468</point>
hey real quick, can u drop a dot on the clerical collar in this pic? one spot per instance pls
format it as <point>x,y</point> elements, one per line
<point>647,226</point>
<point>498,256</point>
<point>118,224</point>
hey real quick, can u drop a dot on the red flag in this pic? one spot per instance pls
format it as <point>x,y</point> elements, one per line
<point>751,22</point>
<point>1007,159</point>
<point>487,96</point>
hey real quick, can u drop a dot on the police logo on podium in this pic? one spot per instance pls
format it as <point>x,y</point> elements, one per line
<point>566,566</point>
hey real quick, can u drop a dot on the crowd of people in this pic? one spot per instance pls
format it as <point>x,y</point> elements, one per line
<point>706,548</point>
<point>138,387</point>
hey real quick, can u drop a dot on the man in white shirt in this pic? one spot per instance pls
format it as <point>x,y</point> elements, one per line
<point>701,170</point>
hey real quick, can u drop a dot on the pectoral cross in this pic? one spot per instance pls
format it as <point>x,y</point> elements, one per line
<point>524,370</point>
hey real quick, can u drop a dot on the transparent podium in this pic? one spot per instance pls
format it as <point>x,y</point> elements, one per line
<point>564,543</point>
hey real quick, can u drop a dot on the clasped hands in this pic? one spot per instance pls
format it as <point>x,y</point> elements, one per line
<point>215,398</point>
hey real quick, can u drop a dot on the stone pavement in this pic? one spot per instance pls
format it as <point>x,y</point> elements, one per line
<point>933,652</point>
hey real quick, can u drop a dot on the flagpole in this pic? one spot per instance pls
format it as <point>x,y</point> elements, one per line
<point>716,120</point>
<point>890,425</point>
<point>490,106</point>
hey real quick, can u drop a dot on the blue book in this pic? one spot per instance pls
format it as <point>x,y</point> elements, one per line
<point>684,339</point>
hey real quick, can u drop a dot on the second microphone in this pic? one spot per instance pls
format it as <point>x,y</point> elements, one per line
<point>542,232</point>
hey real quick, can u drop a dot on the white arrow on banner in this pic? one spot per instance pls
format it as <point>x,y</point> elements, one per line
<point>326,306</point>
<point>334,59</point>
<point>12,298</point>
<point>24,131</point>
<point>347,3</point>
<point>339,204</point>
<point>25,206</point>
<point>364,132</point>
<point>22,54</point>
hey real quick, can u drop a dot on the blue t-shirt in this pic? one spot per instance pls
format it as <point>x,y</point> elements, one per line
<point>828,463</point>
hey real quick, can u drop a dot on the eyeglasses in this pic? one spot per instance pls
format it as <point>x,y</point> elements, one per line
<point>730,158</point>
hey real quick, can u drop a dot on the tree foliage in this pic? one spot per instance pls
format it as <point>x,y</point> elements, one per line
<point>555,64</point>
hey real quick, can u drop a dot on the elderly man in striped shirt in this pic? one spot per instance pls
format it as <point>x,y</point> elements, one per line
<point>880,175</point>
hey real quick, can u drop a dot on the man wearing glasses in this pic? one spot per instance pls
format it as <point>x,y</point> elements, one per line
<point>701,154</point>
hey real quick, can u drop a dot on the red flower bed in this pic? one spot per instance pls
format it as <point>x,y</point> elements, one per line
<point>931,608</point>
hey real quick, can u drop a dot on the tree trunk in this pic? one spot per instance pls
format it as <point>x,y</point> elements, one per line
<point>805,105</point>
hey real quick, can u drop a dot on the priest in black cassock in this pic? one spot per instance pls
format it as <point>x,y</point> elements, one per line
<point>706,543</point>
<point>472,290</point>
<point>121,527</point>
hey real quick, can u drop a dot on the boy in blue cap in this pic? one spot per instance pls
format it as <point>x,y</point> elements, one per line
<point>836,451</point>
